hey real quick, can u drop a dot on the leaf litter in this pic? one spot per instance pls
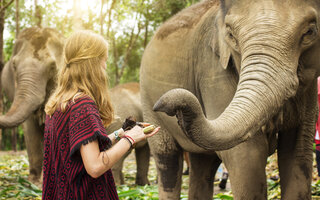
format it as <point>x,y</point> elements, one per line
<point>14,182</point>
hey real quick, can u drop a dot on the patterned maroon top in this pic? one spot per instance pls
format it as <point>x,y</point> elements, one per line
<point>64,175</point>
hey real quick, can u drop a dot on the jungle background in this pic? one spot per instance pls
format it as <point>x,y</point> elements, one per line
<point>128,26</point>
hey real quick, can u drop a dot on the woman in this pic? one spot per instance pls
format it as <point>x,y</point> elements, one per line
<point>78,153</point>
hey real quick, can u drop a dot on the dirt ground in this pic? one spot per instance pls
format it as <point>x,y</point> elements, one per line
<point>13,153</point>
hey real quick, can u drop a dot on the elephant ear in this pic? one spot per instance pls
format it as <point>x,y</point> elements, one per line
<point>220,46</point>
<point>225,5</point>
<point>224,53</point>
<point>55,46</point>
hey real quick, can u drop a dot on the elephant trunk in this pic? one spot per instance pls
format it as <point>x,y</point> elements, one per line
<point>264,84</point>
<point>29,96</point>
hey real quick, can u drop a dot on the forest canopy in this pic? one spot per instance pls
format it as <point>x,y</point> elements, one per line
<point>128,25</point>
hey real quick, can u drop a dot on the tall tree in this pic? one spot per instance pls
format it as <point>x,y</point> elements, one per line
<point>102,17</point>
<point>77,11</point>
<point>37,13</point>
<point>2,13</point>
<point>113,4</point>
<point>17,15</point>
<point>17,18</point>
<point>3,6</point>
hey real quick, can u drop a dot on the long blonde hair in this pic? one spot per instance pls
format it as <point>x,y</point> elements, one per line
<point>82,74</point>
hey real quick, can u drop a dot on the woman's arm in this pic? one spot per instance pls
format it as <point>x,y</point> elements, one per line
<point>97,163</point>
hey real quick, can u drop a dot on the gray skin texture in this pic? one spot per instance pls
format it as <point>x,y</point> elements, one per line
<point>27,80</point>
<point>126,102</point>
<point>248,72</point>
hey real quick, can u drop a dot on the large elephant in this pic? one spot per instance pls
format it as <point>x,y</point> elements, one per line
<point>27,79</point>
<point>126,101</point>
<point>248,72</point>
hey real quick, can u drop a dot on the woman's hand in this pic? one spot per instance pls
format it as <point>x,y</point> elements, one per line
<point>137,134</point>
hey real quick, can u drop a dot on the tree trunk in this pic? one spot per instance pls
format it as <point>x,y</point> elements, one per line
<point>101,17</point>
<point>146,34</point>
<point>14,139</point>
<point>2,12</point>
<point>116,58</point>
<point>17,18</point>
<point>3,8</point>
<point>132,41</point>
<point>109,16</point>
<point>1,111</point>
<point>37,13</point>
<point>14,130</point>
<point>77,21</point>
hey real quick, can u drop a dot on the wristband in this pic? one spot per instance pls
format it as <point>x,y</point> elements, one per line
<point>128,141</point>
<point>133,142</point>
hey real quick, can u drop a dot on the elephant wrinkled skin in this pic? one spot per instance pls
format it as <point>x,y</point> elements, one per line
<point>126,102</point>
<point>247,73</point>
<point>27,79</point>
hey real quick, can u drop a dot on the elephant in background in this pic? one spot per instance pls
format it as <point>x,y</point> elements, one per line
<point>126,101</point>
<point>27,79</point>
<point>247,72</point>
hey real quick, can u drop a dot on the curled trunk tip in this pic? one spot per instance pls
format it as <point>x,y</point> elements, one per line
<point>174,100</point>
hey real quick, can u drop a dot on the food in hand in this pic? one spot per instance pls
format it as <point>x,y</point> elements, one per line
<point>149,129</point>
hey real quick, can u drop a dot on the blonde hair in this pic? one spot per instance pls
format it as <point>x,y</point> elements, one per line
<point>82,74</point>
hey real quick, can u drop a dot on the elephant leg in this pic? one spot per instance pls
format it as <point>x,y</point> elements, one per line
<point>246,167</point>
<point>169,162</point>
<point>295,164</point>
<point>117,170</point>
<point>142,160</point>
<point>33,135</point>
<point>202,171</point>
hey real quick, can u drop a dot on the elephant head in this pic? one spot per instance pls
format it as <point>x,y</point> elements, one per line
<point>30,73</point>
<point>274,47</point>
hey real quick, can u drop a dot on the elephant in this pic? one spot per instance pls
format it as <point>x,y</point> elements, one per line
<point>239,77</point>
<point>126,102</point>
<point>28,79</point>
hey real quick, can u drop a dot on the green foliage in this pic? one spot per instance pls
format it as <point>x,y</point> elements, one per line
<point>133,22</point>
<point>8,47</point>
<point>223,196</point>
<point>13,179</point>
<point>316,189</point>
<point>164,9</point>
<point>138,192</point>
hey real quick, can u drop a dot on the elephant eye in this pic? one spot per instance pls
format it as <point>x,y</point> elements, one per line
<point>231,38</point>
<point>309,32</point>
<point>229,32</point>
<point>309,35</point>
<point>230,35</point>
